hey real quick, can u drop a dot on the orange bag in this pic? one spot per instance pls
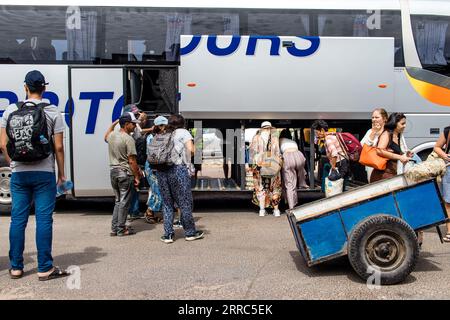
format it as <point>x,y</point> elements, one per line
<point>370,158</point>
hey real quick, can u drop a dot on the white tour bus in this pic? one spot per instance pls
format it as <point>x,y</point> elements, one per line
<point>227,65</point>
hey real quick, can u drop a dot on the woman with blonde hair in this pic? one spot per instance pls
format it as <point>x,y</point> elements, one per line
<point>391,146</point>
<point>379,119</point>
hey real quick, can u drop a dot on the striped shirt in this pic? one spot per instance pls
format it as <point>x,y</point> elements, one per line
<point>333,147</point>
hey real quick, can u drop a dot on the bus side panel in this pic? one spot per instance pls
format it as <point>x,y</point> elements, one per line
<point>12,90</point>
<point>96,94</point>
<point>343,77</point>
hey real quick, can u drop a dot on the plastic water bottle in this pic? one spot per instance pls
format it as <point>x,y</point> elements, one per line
<point>64,187</point>
<point>43,139</point>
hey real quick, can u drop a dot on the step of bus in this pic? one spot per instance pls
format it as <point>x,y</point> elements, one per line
<point>214,184</point>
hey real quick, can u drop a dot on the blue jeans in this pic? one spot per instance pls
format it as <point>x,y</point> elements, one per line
<point>134,203</point>
<point>25,187</point>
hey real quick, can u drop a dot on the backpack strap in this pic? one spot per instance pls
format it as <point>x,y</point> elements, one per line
<point>342,145</point>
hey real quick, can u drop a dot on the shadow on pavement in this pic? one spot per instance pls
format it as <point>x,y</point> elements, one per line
<point>90,255</point>
<point>337,267</point>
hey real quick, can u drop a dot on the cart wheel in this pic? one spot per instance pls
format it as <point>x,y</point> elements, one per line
<point>383,244</point>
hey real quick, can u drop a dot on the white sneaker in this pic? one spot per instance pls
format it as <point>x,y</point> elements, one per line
<point>276,213</point>
<point>262,213</point>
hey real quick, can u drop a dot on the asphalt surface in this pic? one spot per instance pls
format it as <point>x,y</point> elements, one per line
<point>242,256</point>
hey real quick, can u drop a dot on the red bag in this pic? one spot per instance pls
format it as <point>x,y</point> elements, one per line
<point>350,145</point>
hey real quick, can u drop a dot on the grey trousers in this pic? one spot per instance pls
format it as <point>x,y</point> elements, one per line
<point>122,185</point>
<point>294,175</point>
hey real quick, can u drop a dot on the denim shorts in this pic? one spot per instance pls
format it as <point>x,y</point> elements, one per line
<point>446,186</point>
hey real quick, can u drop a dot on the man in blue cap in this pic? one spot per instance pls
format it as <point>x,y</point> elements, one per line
<point>125,173</point>
<point>33,180</point>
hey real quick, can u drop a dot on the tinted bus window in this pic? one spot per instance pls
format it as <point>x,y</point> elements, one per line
<point>47,34</point>
<point>138,34</point>
<point>432,38</point>
<point>362,24</point>
<point>223,23</point>
<point>282,23</point>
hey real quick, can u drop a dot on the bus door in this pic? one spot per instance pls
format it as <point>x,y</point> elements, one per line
<point>153,89</point>
<point>97,100</point>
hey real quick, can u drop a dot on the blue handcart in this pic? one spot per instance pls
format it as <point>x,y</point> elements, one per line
<point>374,225</point>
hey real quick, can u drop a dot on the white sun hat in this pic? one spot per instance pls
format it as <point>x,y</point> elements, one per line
<point>266,124</point>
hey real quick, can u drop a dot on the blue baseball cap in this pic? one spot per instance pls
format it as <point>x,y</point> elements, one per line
<point>35,79</point>
<point>160,121</point>
<point>128,117</point>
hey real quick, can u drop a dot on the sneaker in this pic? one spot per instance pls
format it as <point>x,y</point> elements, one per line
<point>262,213</point>
<point>198,235</point>
<point>276,213</point>
<point>167,239</point>
<point>177,224</point>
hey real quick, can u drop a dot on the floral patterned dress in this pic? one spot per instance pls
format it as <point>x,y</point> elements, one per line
<point>267,190</point>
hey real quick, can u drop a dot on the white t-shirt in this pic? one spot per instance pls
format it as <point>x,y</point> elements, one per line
<point>55,124</point>
<point>180,137</point>
<point>286,143</point>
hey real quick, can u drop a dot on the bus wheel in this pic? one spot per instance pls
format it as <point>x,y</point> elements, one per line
<point>5,191</point>
<point>383,248</point>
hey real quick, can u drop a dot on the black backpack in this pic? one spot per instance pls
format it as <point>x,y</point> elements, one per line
<point>141,150</point>
<point>27,132</point>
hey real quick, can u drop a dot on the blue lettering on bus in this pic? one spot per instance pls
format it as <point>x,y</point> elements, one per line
<point>51,97</point>
<point>215,50</point>
<point>251,46</point>
<point>95,98</point>
<point>10,96</point>
<point>191,46</point>
<point>315,43</point>
<point>69,108</point>
<point>274,48</point>
<point>117,111</point>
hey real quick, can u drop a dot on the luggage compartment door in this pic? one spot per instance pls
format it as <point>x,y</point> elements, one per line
<point>97,95</point>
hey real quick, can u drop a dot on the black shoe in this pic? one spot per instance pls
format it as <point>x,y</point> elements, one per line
<point>168,239</point>
<point>177,224</point>
<point>198,235</point>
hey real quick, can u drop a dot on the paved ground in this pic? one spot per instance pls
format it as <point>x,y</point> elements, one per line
<point>242,256</point>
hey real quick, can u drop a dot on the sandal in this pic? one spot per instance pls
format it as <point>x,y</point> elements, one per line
<point>446,238</point>
<point>56,273</point>
<point>15,276</point>
<point>151,218</point>
<point>127,232</point>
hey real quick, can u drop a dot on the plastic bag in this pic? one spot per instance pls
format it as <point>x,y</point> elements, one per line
<point>333,187</point>
<point>334,175</point>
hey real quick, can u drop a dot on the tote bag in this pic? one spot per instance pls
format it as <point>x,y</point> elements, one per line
<point>370,158</point>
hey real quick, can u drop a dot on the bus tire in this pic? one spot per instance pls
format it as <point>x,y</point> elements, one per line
<point>5,191</point>
<point>383,248</point>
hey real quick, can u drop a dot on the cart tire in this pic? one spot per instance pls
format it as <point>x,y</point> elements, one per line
<point>385,245</point>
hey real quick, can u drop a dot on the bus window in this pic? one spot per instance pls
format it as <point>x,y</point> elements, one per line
<point>281,24</point>
<point>432,38</point>
<point>355,24</point>
<point>153,89</point>
<point>57,34</point>
<point>391,26</point>
<point>215,23</point>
